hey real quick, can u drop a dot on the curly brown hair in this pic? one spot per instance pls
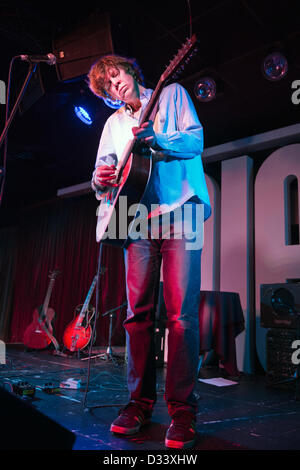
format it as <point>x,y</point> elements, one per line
<point>98,74</point>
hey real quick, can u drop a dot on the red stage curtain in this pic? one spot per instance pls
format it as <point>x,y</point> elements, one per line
<point>8,239</point>
<point>61,235</point>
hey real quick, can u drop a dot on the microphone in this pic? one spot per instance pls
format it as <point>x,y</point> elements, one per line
<point>50,59</point>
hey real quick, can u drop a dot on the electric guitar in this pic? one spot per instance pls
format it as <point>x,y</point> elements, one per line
<point>76,336</point>
<point>133,169</point>
<point>39,334</point>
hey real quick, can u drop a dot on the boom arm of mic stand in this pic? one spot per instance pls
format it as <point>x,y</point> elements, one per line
<point>114,309</point>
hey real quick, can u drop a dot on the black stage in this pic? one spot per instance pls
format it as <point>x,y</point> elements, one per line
<point>245,416</point>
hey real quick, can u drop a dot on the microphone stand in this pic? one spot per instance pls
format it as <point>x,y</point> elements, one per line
<point>20,96</point>
<point>109,352</point>
<point>8,122</point>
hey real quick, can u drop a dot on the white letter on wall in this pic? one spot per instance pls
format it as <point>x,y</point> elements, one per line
<point>237,247</point>
<point>275,260</point>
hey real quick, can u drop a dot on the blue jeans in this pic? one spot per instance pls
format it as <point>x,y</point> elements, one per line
<point>181,287</point>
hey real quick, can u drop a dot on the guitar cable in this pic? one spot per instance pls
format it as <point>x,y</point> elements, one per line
<point>94,325</point>
<point>92,340</point>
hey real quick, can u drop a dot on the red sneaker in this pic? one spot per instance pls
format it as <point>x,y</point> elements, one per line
<point>182,431</point>
<point>130,420</point>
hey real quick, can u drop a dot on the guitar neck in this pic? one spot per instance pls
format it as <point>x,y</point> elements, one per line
<point>47,297</point>
<point>87,300</point>
<point>145,117</point>
<point>152,102</point>
<point>179,60</point>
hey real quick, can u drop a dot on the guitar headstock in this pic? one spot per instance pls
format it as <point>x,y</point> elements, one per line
<point>182,57</point>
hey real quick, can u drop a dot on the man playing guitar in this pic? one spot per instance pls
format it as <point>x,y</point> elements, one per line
<point>174,140</point>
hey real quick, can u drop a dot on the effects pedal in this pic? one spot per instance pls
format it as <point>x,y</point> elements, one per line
<point>23,389</point>
<point>50,388</point>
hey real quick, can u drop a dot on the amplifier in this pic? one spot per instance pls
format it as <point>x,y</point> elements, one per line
<point>280,305</point>
<point>280,370</point>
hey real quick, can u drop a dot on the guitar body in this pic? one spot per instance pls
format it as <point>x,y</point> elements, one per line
<point>134,180</point>
<point>76,336</point>
<point>35,336</point>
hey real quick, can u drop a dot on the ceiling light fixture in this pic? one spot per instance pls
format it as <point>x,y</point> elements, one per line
<point>205,89</point>
<point>275,66</point>
<point>115,104</point>
<point>83,115</point>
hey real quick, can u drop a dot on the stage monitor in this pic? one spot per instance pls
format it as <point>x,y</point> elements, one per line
<point>280,305</point>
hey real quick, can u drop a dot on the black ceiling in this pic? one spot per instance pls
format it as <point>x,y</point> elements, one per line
<point>49,148</point>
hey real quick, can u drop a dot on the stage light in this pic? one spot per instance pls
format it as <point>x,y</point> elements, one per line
<point>83,115</point>
<point>115,104</point>
<point>205,89</point>
<point>275,66</point>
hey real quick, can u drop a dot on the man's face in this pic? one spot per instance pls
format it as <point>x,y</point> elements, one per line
<point>121,85</point>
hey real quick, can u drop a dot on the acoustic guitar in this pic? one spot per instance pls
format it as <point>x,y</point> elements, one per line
<point>39,334</point>
<point>78,333</point>
<point>134,169</point>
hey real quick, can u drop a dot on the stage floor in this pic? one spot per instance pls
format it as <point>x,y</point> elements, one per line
<point>244,416</point>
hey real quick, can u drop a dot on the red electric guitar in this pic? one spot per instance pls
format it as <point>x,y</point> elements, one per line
<point>133,170</point>
<point>39,334</point>
<point>76,336</point>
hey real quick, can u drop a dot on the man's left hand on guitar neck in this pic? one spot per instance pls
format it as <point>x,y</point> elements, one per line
<point>145,134</point>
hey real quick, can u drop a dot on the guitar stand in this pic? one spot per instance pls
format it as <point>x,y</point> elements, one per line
<point>70,354</point>
<point>57,352</point>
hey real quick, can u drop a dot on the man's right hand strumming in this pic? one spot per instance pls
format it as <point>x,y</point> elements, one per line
<point>105,176</point>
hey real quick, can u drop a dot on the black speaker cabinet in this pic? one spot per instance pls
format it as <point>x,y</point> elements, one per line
<point>23,427</point>
<point>280,305</point>
<point>78,49</point>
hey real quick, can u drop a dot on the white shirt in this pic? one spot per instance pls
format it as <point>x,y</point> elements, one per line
<point>177,172</point>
